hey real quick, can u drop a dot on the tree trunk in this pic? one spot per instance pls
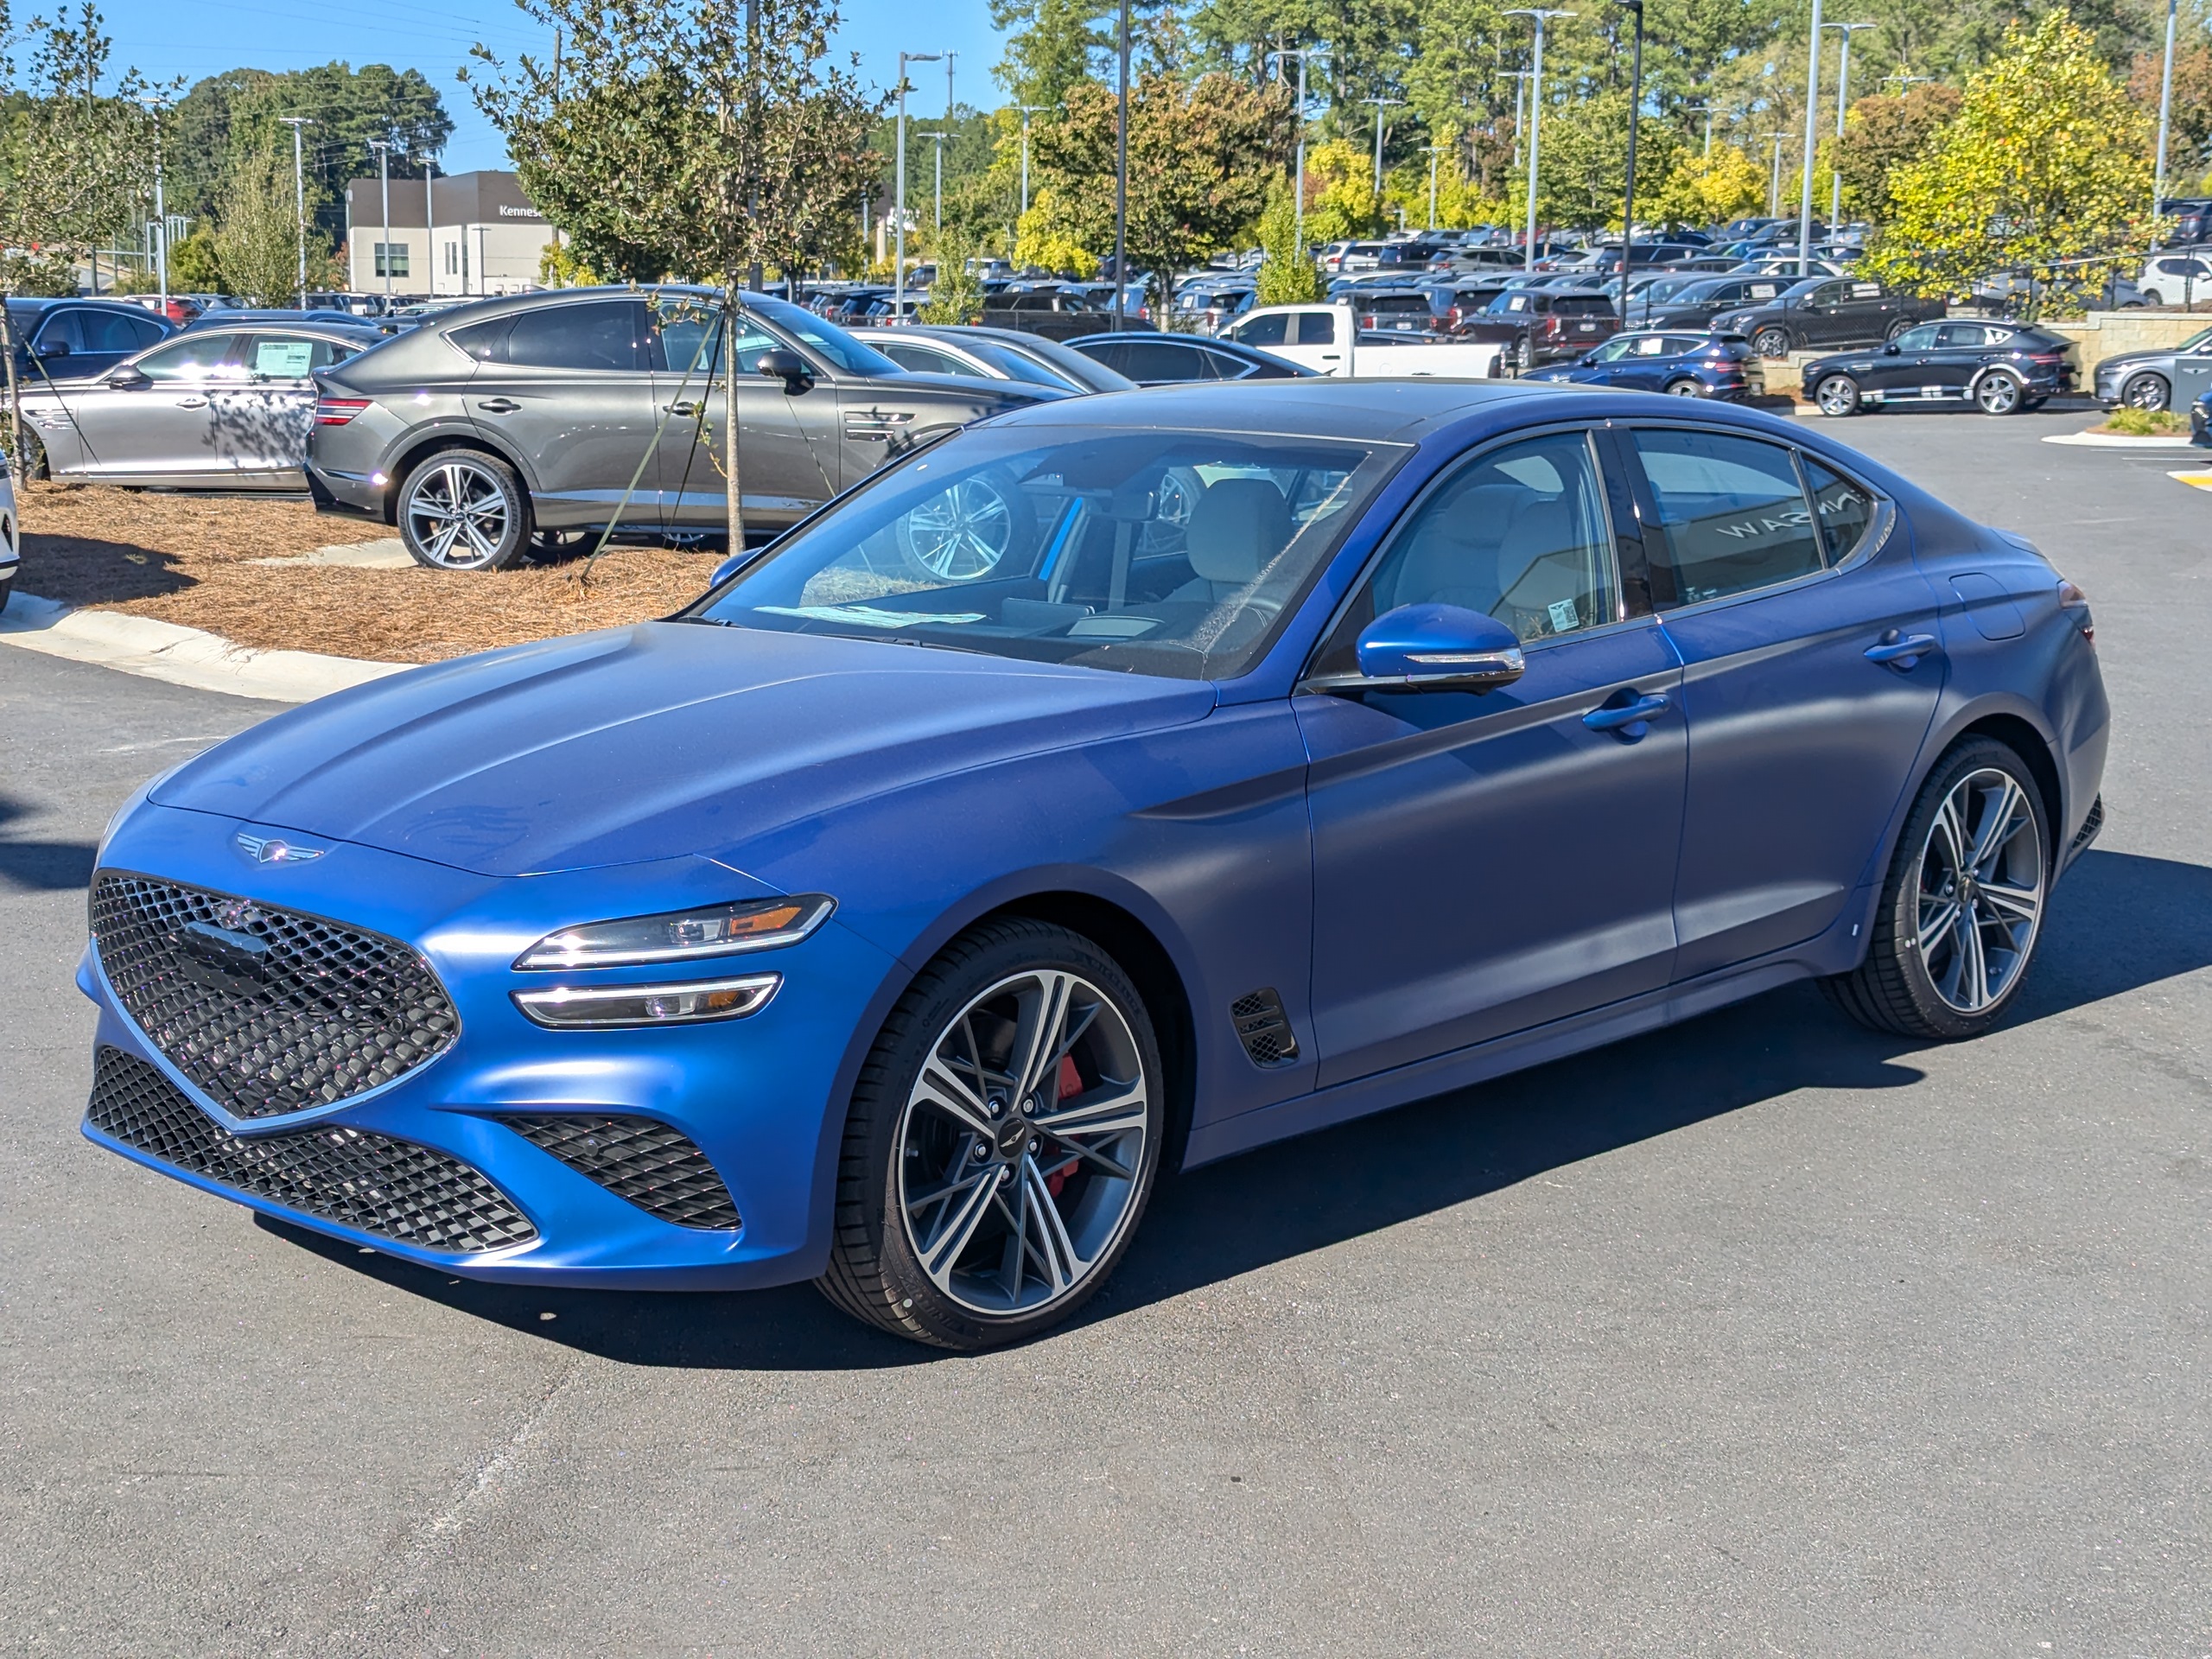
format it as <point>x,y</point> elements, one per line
<point>16,462</point>
<point>735,518</point>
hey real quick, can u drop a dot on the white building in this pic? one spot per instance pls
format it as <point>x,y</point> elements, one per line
<point>472,233</point>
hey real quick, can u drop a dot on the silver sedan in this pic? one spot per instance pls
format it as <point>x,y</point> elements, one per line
<point>223,408</point>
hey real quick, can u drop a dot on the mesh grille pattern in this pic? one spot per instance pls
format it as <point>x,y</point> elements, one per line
<point>1263,1027</point>
<point>267,1010</point>
<point>639,1159</point>
<point>392,1188</point>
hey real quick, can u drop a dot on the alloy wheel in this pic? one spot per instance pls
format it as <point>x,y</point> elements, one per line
<point>1981,891</point>
<point>1020,1151</point>
<point>1998,394</point>
<point>961,534</point>
<point>2145,391</point>
<point>457,513</point>
<point>1686,389</point>
<point>1837,395</point>
<point>1770,342</point>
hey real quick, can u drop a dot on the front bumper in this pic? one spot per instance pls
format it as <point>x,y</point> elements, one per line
<point>754,1095</point>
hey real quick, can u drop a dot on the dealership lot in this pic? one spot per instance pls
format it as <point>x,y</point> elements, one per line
<point>1763,1334</point>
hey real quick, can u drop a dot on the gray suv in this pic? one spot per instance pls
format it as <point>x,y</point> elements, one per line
<point>2146,380</point>
<point>522,421</point>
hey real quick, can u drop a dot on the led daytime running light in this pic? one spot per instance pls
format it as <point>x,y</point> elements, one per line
<point>681,935</point>
<point>599,1006</point>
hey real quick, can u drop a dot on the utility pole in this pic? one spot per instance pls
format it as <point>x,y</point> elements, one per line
<point>1520,77</point>
<point>937,223</point>
<point>1904,81</point>
<point>1298,180</point>
<point>383,148</point>
<point>1773,187</point>
<point>2165,120</point>
<point>1433,151</point>
<point>160,216</point>
<point>1812,129</point>
<point>1028,110</point>
<point>1121,173</point>
<point>899,192</point>
<point>1705,110</point>
<point>1635,116</point>
<point>1536,119</point>
<point>299,199</point>
<point>1842,99</point>
<point>949,57</point>
<point>1380,104</point>
<point>430,221</point>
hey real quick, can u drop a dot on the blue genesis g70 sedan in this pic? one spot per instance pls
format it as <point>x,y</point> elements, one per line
<point>1115,786</point>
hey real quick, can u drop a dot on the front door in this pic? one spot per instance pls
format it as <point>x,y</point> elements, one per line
<point>1774,587</point>
<point>1486,863</point>
<point>160,423</point>
<point>1899,376</point>
<point>787,456</point>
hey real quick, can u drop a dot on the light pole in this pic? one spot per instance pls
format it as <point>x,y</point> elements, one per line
<point>383,148</point>
<point>1121,171</point>
<point>1028,110</point>
<point>1520,77</point>
<point>161,215</point>
<point>899,192</point>
<point>430,220</point>
<point>1535,118</point>
<point>1380,104</point>
<point>1433,151</point>
<point>1773,187</point>
<point>1706,110</point>
<point>1842,97</point>
<point>1635,111</point>
<point>2165,114</point>
<point>299,199</point>
<point>1298,180</point>
<point>1812,129</point>
<point>937,222</point>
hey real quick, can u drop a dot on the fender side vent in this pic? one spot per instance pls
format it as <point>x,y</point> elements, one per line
<point>1264,1028</point>
<point>2090,825</point>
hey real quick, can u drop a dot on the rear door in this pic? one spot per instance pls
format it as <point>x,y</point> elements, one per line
<point>263,416</point>
<point>569,388</point>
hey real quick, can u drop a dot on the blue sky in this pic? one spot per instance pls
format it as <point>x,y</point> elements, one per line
<point>164,39</point>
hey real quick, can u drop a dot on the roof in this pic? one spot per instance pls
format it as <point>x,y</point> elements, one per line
<point>1403,411</point>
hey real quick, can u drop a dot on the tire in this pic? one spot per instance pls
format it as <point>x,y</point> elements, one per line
<point>1524,355</point>
<point>1014,1227</point>
<point>551,546</point>
<point>2146,392</point>
<point>1771,342</point>
<point>1998,393</point>
<point>1837,396</point>
<point>464,510</point>
<point>35,465</point>
<point>2150,297</point>
<point>1685,388</point>
<point>1899,328</point>
<point>1919,978</point>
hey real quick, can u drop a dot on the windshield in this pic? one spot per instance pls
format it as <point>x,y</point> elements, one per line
<point>1151,552</point>
<point>1014,366</point>
<point>826,338</point>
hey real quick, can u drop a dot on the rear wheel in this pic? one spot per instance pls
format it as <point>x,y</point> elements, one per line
<point>1002,1142</point>
<point>1899,328</point>
<point>1771,342</point>
<point>1524,354</point>
<point>1963,907</point>
<point>1998,393</point>
<point>1837,395</point>
<point>464,510</point>
<point>1686,388</point>
<point>2146,392</point>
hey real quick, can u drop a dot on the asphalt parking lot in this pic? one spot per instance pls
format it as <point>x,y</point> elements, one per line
<point>1760,1335</point>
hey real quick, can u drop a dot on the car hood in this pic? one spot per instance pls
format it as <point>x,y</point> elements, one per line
<point>649,742</point>
<point>2131,359</point>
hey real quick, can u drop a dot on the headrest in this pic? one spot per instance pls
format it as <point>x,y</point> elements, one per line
<point>1236,527</point>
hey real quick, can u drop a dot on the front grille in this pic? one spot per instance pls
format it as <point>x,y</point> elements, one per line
<point>639,1159</point>
<point>394,1188</point>
<point>1264,1028</point>
<point>269,1010</point>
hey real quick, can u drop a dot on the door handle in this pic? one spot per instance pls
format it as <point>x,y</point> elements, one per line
<point>192,402</point>
<point>1903,653</point>
<point>1627,720</point>
<point>499,405</point>
<point>680,408</point>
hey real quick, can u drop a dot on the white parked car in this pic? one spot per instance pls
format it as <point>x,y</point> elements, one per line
<point>2176,277</point>
<point>1328,339</point>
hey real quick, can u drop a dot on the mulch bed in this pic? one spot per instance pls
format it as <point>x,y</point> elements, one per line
<point>189,558</point>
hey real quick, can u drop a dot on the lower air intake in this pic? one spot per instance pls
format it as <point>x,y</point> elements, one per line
<point>1264,1028</point>
<point>639,1159</point>
<point>394,1188</point>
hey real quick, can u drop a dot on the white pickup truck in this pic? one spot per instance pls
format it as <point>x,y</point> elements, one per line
<point>1328,338</point>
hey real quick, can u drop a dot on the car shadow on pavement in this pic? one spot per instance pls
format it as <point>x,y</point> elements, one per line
<point>40,865</point>
<point>2119,922</point>
<point>84,571</point>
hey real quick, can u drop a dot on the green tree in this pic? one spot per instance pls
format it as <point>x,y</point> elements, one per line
<point>1287,274</point>
<point>1050,45</point>
<point>195,267</point>
<point>2190,141</point>
<point>1049,240</point>
<point>957,296</point>
<point>1200,155</point>
<point>2047,161</point>
<point>1881,134</point>
<point>257,244</point>
<point>1702,189</point>
<point>1584,163</point>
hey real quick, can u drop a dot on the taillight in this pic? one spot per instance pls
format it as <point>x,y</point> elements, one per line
<point>2071,598</point>
<point>336,411</point>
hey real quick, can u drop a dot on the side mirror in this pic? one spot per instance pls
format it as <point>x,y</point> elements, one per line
<point>787,367</point>
<point>1891,349</point>
<point>1439,648</point>
<point>58,349</point>
<point>128,379</point>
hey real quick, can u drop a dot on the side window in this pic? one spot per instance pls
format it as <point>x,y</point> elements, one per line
<point>1114,353</point>
<point>1156,359</point>
<point>920,358</point>
<point>60,329</point>
<point>287,356</point>
<point>1264,331</point>
<point>202,356</point>
<point>484,341</point>
<point>1732,512</point>
<point>600,335</point>
<point>1520,533</point>
<point>144,332</point>
<point>1317,327</point>
<point>1956,335</point>
<point>1921,338</point>
<point>110,331</point>
<point>1845,510</point>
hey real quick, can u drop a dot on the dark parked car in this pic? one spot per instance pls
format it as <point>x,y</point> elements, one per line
<point>1179,359</point>
<point>1680,364</point>
<point>1534,325</point>
<point>1055,313</point>
<point>997,355</point>
<point>2146,380</point>
<point>1997,367</point>
<point>1826,311</point>
<point>226,406</point>
<point>509,417</point>
<point>78,340</point>
<point>1399,310</point>
<point>1285,754</point>
<point>1698,301</point>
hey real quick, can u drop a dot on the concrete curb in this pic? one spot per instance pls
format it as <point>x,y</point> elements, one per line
<point>2105,440</point>
<point>181,656</point>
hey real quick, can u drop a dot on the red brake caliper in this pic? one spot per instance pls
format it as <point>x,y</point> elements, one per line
<point>1071,1086</point>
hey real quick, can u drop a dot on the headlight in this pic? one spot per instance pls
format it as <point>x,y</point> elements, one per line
<point>682,935</point>
<point>579,1007</point>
